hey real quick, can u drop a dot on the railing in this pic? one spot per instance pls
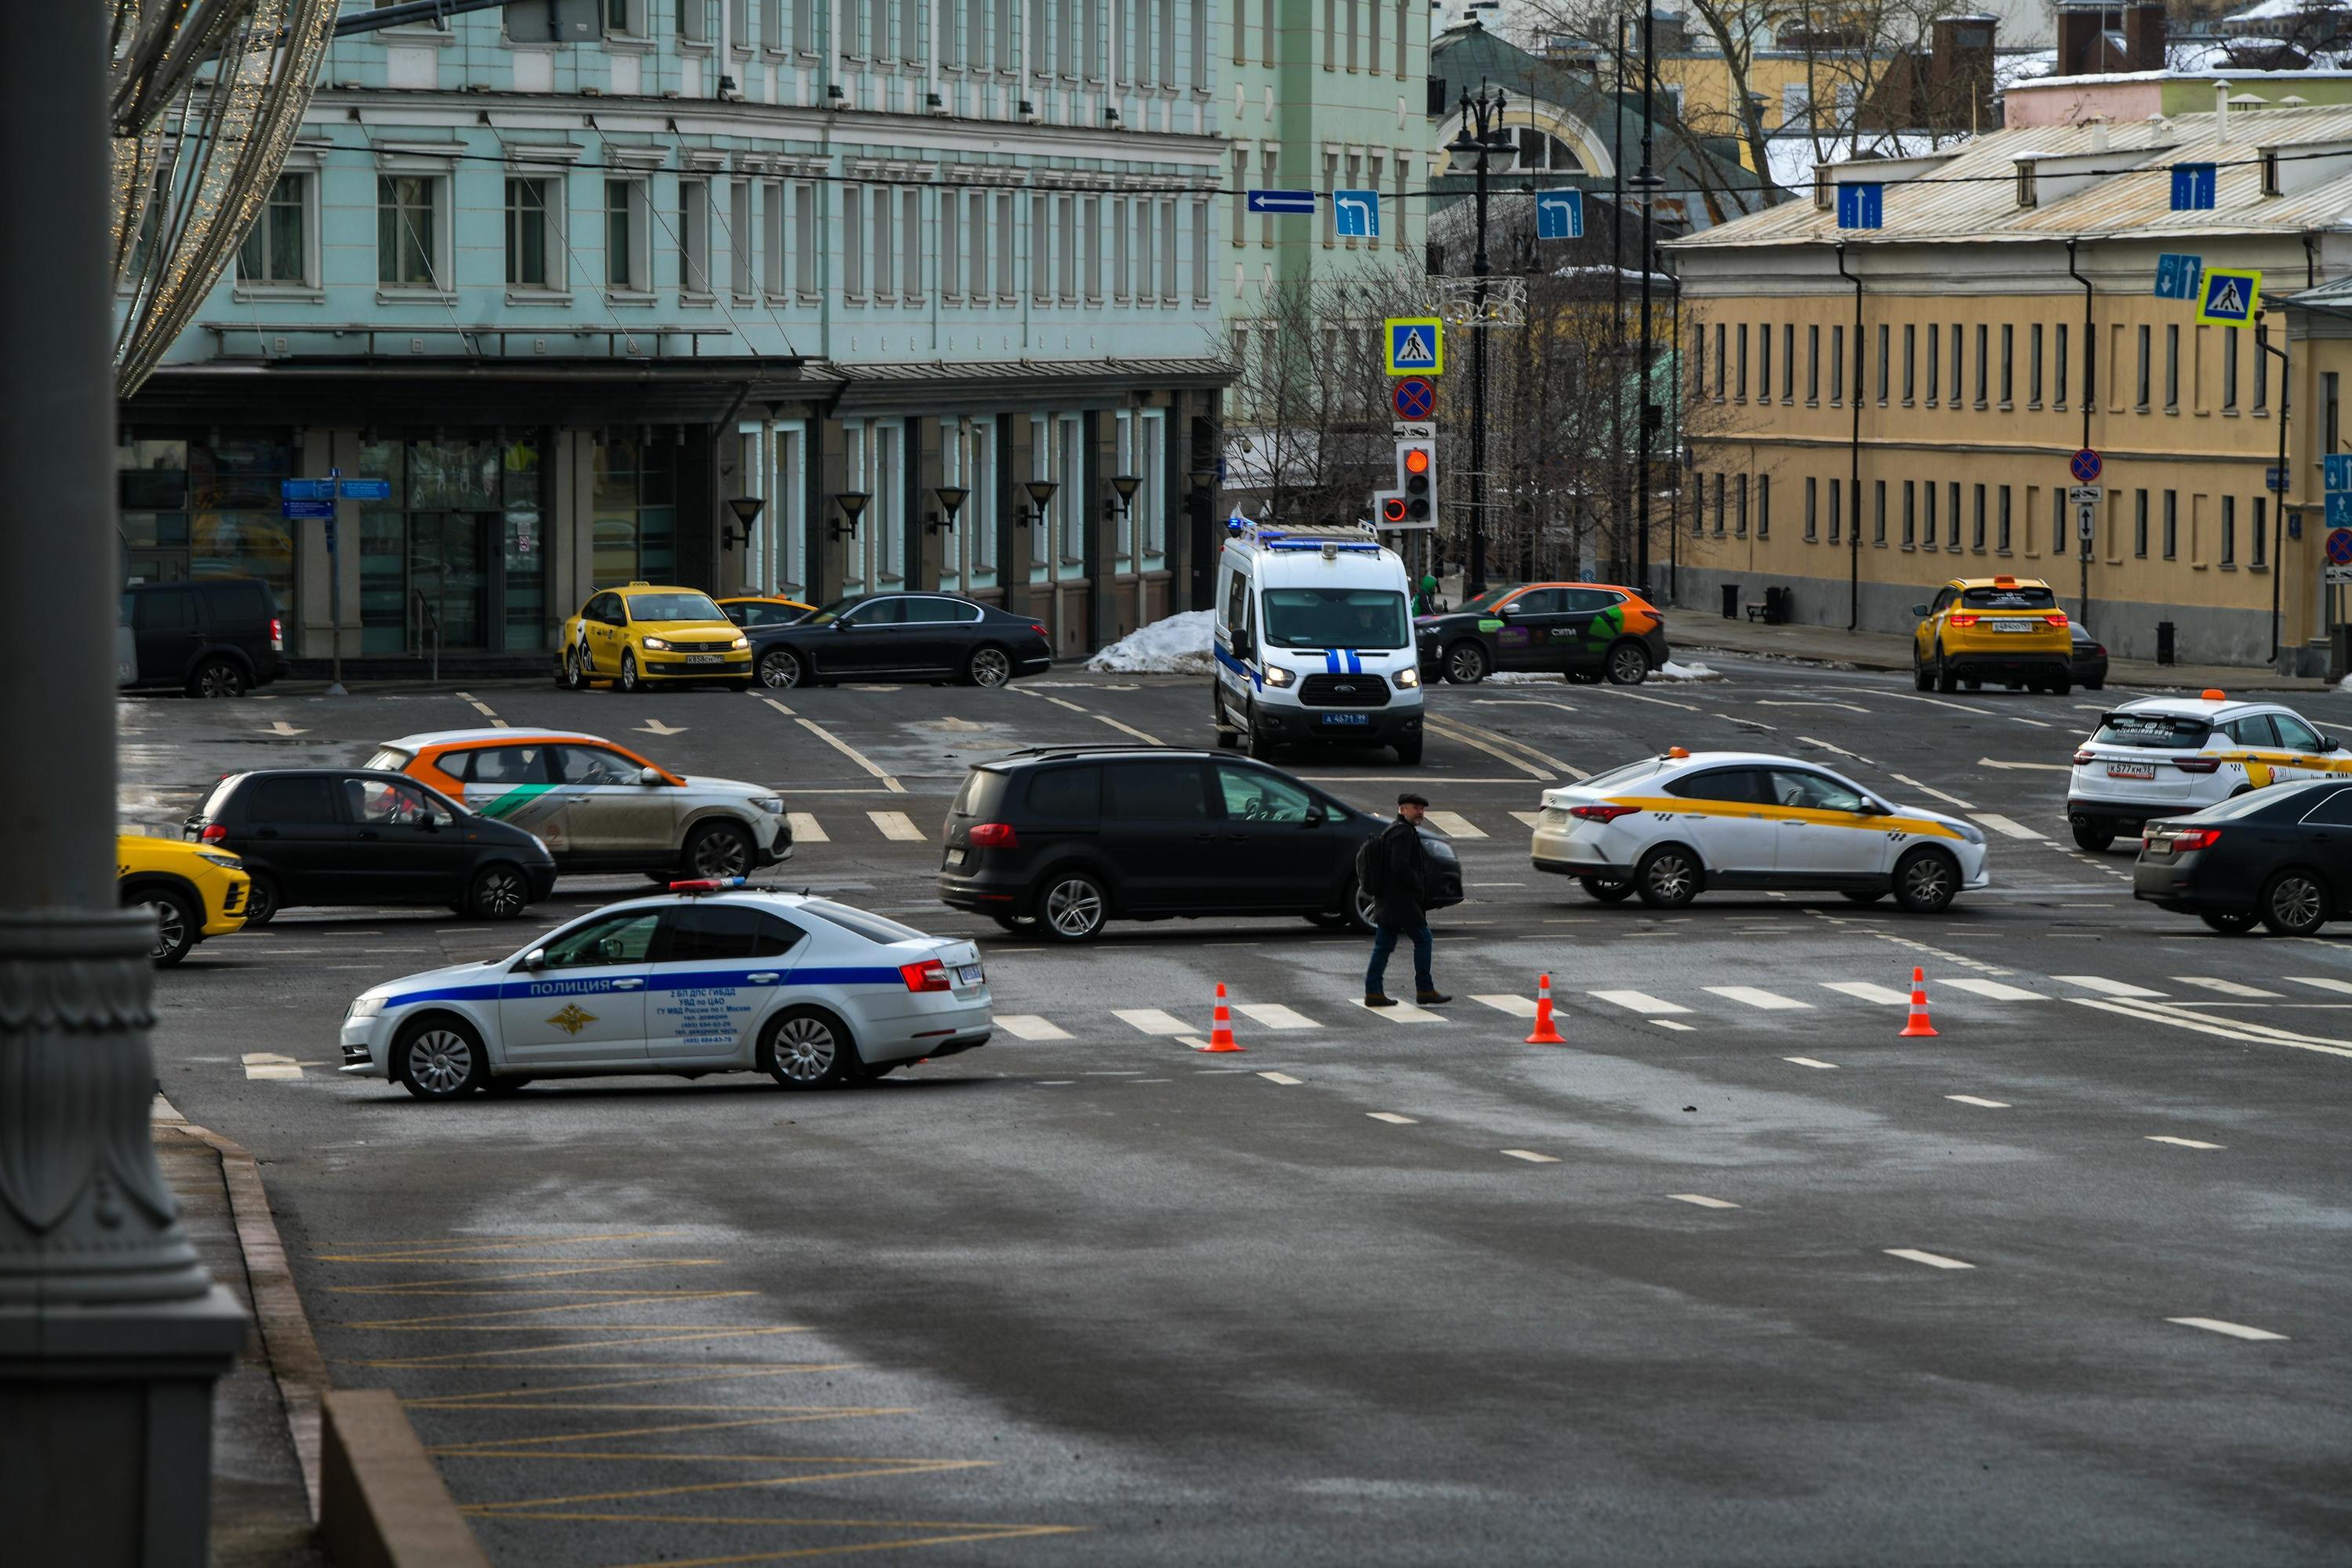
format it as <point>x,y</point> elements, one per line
<point>427,621</point>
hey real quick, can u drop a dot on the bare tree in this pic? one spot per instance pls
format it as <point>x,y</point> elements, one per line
<point>1307,419</point>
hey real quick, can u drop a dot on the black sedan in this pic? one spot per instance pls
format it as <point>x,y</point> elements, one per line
<point>2281,856</point>
<point>901,637</point>
<point>2090,659</point>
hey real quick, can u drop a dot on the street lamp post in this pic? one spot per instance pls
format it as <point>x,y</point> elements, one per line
<point>2278,495</point>
<point>1483,138</point>
<point>1646,183</point>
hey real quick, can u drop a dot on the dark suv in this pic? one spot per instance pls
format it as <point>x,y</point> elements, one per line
<point>356,835</point>
<point>1073,836</point>
<point>209,640</point>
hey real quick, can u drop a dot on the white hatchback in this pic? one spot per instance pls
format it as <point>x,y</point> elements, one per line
<point>710,979</point>
<point>2163,756</point>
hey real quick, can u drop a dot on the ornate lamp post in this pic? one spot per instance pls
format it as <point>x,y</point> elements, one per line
<point>1482,138</point>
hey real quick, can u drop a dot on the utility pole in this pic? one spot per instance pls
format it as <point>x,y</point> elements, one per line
<point>1482,137</point>
<point>1618,543</point>
<point>1645,185</point>
<point>111,1333</point>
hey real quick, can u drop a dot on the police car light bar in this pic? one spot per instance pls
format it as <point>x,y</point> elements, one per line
<point>707,884</point>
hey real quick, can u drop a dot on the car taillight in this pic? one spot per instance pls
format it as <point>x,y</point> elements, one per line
<point>994,836</point>
<point>2056,617</point>
<point>1602,813</point>
<point>2196,764</point>
<point>1962,618</point>
<point>276,634</point>
<point>2195,837</point>
<point>2085,759</point>
<point>929,975</point>
<point>214,832</point>
<point>1039,627</point>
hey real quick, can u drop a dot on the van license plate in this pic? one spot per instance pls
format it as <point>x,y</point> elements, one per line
<point>1347,718</point>
<point>705,659</point>
<point>2131,769</point>
<point>955,858</point>
<point>2013,625</point>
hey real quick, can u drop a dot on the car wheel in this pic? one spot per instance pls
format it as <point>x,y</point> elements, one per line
<point>217,678</point>
<point>1363,909</point>
<point>440,1059</point>
<point>1465,663</point>
<point>177,926</point>
<point>1860,897</point>
<point>1922,677</point>
<point>1668,878</point>
<point>718,850</point>
<point>2061,686</point>
<point>807,1048</point>
<point>1409,752</point>
<point>1258,743</point>
<point>1608,890</point>
<point>1629,664</point>
<point>2094,834</point>
<point>497,893</point>
<point>261,899</point>
<point>1325,919</point>
<point>1946,681</point>
<point>573,677</point>
<point>781,668</point>
<point>630,679</point>
<point>1973,685</point>
<point>503,1085</point>
<point>2234,922</point>
<point>2294,903</point>
<point>1072,908</point>
<point>1925,880</point>
<point>988,666</point>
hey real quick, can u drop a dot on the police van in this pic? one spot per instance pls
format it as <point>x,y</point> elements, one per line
<point>1314,641</point>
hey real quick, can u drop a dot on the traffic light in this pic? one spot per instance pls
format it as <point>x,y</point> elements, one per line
<point>1413,503</point>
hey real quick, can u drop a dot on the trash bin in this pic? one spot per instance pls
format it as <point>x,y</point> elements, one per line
<point>1731,601</point>
<point>2164,642</point>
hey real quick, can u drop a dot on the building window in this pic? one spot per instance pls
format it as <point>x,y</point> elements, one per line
<point>1910,365</point>
<point>1837,508</point>
<point>1910,513</point>
<point>1763,505</point>
<point>883,249</point>
<point>1977,529</point>
<point>804,238</point>
<point>1878,512</point>
<point>1928,519</point>
<point>2058,369</point>
<point>1884,349</point>
<point>634,521</point>
<point>1957,366</point>
<point>1983,353</point>
<point>1719,507</point>
<point>2140,524</point>
<point>2003,525</point>
<point>2171,524</point>
<point>1789,362</point>
<point>2008,364</point>
<point>2262,552</point>
<point>1699,363</point>
<point>1812,496</point>
<point>1739,382</point>
<point>625,235</point>
<point>852,243</point>
<point>739,233</point>
<point>772,239</point>
<point>2171,369</point>
<point>694,234</point>
<point>1764,362</point>
<point>1952,516</point>
<point>2261,370</point>
<point>1041,250</point>
<point>407,230</point>
<point>1837,367</point>
<point>2033,364</point>
<point>531,222</point>
<point>2145,340</point>
<point>2229,530</point>
<point>277,250</point>
<point>1935,381</point>
<point>952,262</point>
<point>2230,375</point>
<point>2327,412</point>
<point>1739,505</point>
<point>1812,366</point>
<point>693,21</point>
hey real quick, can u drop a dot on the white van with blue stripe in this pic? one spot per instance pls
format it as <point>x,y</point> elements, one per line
<point>1314,641</point>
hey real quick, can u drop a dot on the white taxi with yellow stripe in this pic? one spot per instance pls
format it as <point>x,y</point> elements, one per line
<point>1674,827</point>
<point>2167,756</point>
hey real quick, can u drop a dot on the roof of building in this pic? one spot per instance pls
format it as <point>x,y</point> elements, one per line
<point>1972,194</point>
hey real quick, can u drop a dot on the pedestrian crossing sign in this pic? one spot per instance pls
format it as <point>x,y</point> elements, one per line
<point>2228,297</point>
<point>1416,345</point>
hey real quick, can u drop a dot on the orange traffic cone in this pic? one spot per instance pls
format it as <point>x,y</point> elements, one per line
<point>1545,1033</point>
<point>1917,1024</point>
<point>1221,1032</point>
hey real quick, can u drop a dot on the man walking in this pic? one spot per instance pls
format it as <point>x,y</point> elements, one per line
<point>1404,882</point>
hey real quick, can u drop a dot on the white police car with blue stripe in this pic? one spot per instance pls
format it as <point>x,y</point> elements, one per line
<point>713,978</point>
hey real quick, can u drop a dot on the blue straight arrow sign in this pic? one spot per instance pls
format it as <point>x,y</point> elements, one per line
<point>2340,471</point>
<point>1861,205</point>
<point>1282,201</point>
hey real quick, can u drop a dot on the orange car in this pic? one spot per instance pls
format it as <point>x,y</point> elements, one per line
<point>1586,631</point>
<point>754,610</point>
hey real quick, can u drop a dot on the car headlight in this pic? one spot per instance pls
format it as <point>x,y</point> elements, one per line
<point>774,805</point>
<point>364,1007</point>
<point>1406,678</point>
<point>1969,832</point>
<point>1277,676</point>
<point>740,642</point>
<point>231,861</point>
<point>657,645</point>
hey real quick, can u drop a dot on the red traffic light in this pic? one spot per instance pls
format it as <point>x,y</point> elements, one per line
<point>1392,509</point>
<point>1416,459</point>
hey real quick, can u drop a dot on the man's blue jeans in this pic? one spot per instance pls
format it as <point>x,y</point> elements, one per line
<point>1384,941</point>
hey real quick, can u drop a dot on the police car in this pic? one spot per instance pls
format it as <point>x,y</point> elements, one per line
<point>2166,756</point>
<point>713,978</point>
<point>1672,826</point>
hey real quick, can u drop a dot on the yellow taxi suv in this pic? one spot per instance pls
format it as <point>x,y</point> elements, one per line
<point>1674,827</point>
<point>649,635</point>
<point>194,892</point>
<point>2008,629</point>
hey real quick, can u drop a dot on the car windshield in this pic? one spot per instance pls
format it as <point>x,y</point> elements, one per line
<point>1491,597</point>
<point>1615,777</point>
<point>1334,618</point>
<point>2022,596</point>
<point>673,608</point>
<point>389,759</point>
<point>2157,731</point>
<point>873,927</point>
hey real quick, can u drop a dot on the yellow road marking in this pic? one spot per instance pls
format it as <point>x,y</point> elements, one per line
<point>419,1287</point>
<point>631,1299</point>
<point>430,1250</point>
<point>820,1411</point>
<point>504,1509</point>
<point>984,1532</point>
<point>481,1399</point>
<point>671,1334</point>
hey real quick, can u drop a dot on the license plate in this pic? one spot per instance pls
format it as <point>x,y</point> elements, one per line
<point>2131,769</point>
<point>2013,625</point>
<point>705,659</point>
<point>968,975</point>
<point>1347,718</point>
<point>955,857</point>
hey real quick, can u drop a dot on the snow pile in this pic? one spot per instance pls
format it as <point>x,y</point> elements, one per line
<point>2345,684</point>
<point>1177,646</point>
<point>1670,670</point>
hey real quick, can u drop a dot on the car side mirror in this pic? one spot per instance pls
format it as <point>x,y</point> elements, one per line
<point>535,959</point>
<point>1315,815</point>
<point>649,777</point>
<point>1870,808</point>
<point>2330,743</point>
<point>1919,610</point>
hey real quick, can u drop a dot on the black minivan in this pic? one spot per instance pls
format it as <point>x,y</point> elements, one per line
<point>1073,836</point>
<point>356,835</point>
<point>208,639</point>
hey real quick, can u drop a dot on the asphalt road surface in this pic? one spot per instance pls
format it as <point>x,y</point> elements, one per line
<point>1735,1276</point>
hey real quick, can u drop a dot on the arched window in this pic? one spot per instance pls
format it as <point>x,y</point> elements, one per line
<point>1541,151</point>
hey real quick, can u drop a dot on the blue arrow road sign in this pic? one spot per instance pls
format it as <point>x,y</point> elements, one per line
<point>2193,187</point>
<point>1560,215</point>
<point>2177,276</point>
<point>1861,207</point>
<point>2339,508</point>
<point>306,489</point>
<point>1357,214</point>
<point>305,508</point>
<point>1282,201</point>
<point>2339,470</point>
<point>366,489</point>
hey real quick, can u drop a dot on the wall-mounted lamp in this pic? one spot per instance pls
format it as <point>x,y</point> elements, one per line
<point>747,510</point>
<point>952,499</point>
<point>1125,485</point>
<point>852,504</point>
<point>1041,491</point>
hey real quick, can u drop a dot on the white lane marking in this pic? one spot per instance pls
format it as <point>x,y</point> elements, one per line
<point>1029,1027</point>
<point>897,825</point>
<point>1809,1061</point>
<point>2005,824</point>
<point>1279,1078</point>
<point>2182,1142</point>
<point>1768,1001</point>
<point>852,753</point>
<point>1637,1002</point>
<point>806,829</point>
<point>1841,750</point>
<point>1516,1006</point>
<point>1992,989</point>
<point>1151,1020</point>
<point>1978,1100</point>
<point>1931,789</point>
<point>1932,1259</point>
<point>478,706</point>
<point>2026,767</point>
<point>1122,728</point>
<point>1702,1200</point>
<point>1492,744</point>
<point>2322,983</point>
<point>2016,719</point>
<point>1531,1156</point>
<point>2179,1018</point>
<point>1520,703</point>
<point>269,1064</point>
<point>2235,1330</point>
<point>1938,701</point>
<point>1391,1117</point>
<point>2106,986</point>
<point>1751,723</point>
<point>2226,987</point>
<point>1661,701</point>
<point>1275,1016</point>
<point>1402,1013</point>
<point>1528,818</point>
<point>1454,825</point>
<point>1055,1083</point>
<point>1868,991</point>
<point>1674,1023</point>
<point>779,707</point>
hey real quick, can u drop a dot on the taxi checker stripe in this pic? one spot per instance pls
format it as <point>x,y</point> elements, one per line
<point>1675,806</point>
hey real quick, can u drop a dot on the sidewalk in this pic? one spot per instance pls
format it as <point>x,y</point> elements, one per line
<point>1693,634</point>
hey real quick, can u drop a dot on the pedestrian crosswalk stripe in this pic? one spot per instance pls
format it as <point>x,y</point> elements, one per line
<point>1637,1002</point>
<point>1516,1006</point>
<point>1528,818</point>
<point>1978,1100</point>
<point>1283,1077</point>
<point>1991,989</point>
<point>1809,1062</point>
<point>1275,1016</point>
<point>806,828</point>
<point>895,825</point>
<point>1029,1027</point>
<point>2322,983</point>
<point>1531,1157</point>
<point>2183,1142</point>
<point>1932,1259</point>
<point>1702,1200</point>
<point>1868,991</point>
<point>1151,1020</point>
<point>2000,823</point>
<point>1392,1118</point>
<point>2226,987</point>
<point>270,1065</point>
<point>1402,1013</point>
<point>1768,1001</point>
<point>1454,825</point>
<point>1672,1023</point>
<point>2100,982</point>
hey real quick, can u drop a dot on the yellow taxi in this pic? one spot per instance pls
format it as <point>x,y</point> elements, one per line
<point>194,891</point>
<point>2008,629</point>
<point>647,633</point>
<point>753,610</point>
